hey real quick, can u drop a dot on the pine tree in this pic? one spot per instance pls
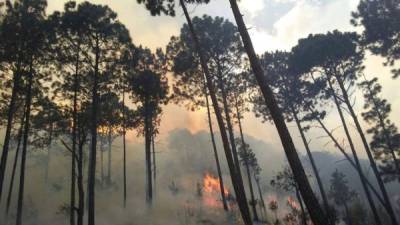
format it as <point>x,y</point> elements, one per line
<point>385,141</point>
<point>149,87</point>
<point>341,193</point>
<point>284,180</point>
<point>339,65</point>
<point>248,160</point>
<point>381,29</point>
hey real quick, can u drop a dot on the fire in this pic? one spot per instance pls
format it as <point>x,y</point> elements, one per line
<point>211,192</point>
<point>211,185</point>
<point>293,203</point>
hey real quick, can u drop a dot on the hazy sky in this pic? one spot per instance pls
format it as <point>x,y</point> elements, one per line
<point>273,24</point>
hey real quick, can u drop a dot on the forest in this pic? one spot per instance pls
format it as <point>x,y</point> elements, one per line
<point>84,105</point>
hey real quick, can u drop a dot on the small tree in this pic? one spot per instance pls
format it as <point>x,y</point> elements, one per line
<point>110,127</point>
<point>256,174</point>
<point>273,206</point>
<point>47,124</point>
<point>248,160</point>
<point>284,180</point>
<point>341,193</point>
<point>358,213</point>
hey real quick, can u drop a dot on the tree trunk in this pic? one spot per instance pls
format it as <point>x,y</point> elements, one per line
<point>348,216</point>
<point>303,212</point>
<point>109,158</point>
<point>253,200</point>
<point>231,134</point>
<point>10,190</point>
<point>147,137</point>
<point>367,193</point>
<point>262,202</point>
<point>46,172</point>
<point>73,184</point>
<point>221,181</point>
<point>28,105</point>
<point>153,147</point>
<point>92,155</point>
<point>313,165</point>
<point>239,190</point>
<point>316,213</point>
<point>10,117</point>
<point>388,205</point>
<point>124,144</point>
<point>74,133</point>
<point>102,160</point>
<point>81,192</point>
<point>227,111</point>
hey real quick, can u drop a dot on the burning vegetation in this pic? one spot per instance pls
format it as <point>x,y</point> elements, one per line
<point>211,192</point>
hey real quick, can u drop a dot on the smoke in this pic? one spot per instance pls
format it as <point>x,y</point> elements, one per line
<point>182,159</point>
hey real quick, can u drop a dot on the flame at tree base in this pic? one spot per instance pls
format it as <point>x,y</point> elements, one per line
<point>211,184</point>
<point>212,191</point>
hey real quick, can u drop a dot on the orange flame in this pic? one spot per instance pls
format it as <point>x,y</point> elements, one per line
<point>211,184</point>
<point>293,203</point>
<point>212,191</point>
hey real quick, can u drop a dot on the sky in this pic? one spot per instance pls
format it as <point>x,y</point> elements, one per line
<point>273,25</point>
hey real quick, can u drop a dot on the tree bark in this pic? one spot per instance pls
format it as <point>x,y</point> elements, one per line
<point>46,172</point>
<point>153,147</point>
<point>74,133</point>
<point>81,191</point>
<point>102,160</point>
<point>253,200</point>
<point>262,202</point>
<point>221,181</point>
<point>147,137</point>
<point>10,190</point>
<point>10,118</point>
<point>367,193</point>
<point>303,212</point>
<point>109,158</point>
<point>28,105</point>
<point>93,147</point>
<point>316,213</point>
<point>124,144</point>
<point>239,190</point>
<point>313,165</point>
